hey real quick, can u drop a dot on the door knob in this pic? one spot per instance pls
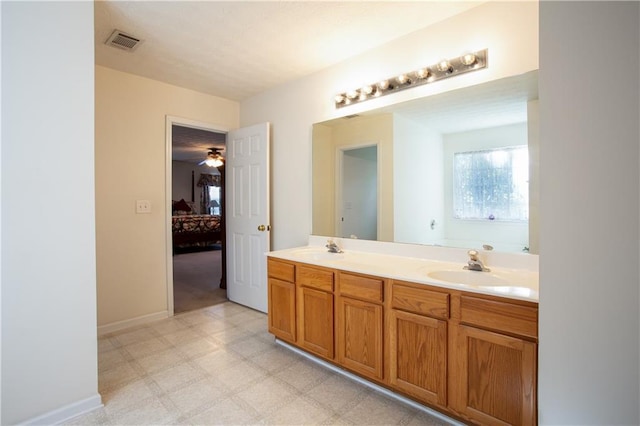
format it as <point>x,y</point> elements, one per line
<point>261,228</point>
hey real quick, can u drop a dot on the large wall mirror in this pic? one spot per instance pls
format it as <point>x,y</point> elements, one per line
<point>456,169</point>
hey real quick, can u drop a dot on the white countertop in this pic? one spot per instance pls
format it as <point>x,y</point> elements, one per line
<point>514,283</point>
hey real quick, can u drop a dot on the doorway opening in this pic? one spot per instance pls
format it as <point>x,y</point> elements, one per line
<point>358,193</point>
<point>196,237</point>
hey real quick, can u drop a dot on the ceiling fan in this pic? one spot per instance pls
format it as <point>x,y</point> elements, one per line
<point>214,158</point>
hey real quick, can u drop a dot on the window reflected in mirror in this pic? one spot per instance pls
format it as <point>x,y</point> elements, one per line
<point>491,184</point>
<point>457,169</point>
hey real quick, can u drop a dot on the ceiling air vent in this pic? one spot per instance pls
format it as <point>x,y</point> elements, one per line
<point>122,40</point>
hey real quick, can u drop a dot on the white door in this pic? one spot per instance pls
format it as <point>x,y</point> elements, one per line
<point>247,215</point>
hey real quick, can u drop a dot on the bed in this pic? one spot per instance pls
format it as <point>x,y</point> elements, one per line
<point>196,230</point>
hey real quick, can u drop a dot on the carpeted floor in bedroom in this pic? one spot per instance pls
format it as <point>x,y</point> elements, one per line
<point>196,280</point>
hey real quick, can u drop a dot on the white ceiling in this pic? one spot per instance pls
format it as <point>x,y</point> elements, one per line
<point>236,49</point>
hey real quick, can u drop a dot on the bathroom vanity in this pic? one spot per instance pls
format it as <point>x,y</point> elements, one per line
<point>461,342</point>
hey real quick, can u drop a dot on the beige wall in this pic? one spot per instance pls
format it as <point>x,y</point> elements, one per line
<point>130,165</point>
<point>324,166</point>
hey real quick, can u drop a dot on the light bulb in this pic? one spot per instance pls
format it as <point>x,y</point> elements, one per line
<point>384,84</point>
<point>352,94</point>
<point>214,160</point>
<point>339,99</point>
<point>367,90</point>
<point>402,79</point>
<point>468,59</point>
<point>422,73</point>
<point>445,66</point>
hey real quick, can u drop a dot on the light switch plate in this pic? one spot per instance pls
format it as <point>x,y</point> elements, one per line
<point>143,206</point>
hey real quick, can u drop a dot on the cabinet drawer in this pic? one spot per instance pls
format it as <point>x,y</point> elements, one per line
<point>420,301</point>
<point>360,287</point>
<point>281,270</point>
<point>500,316</point>
<point>321,279</point>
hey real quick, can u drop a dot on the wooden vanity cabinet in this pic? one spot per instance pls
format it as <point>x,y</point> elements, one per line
<point>495,367</point>
<point>469,355</point>
<point>315,310</point>
<point>359,328</point>
<point>418,342</point>
<point>282,299</point>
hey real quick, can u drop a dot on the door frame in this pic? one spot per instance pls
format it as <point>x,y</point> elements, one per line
<point>169,122</point>
<point>340,150</point>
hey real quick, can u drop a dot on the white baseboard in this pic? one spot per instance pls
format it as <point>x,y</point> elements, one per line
<point>371,385</point>
<point>67,412</point>
<point>121,325</point>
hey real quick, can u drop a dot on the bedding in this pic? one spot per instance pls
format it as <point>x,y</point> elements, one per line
<point>196,230</point>
<point>183,207</point>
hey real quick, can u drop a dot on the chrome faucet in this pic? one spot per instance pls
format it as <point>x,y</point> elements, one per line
<point>474,263</point>
<point>333,247</point>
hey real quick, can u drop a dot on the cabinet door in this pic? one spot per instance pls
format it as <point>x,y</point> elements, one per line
<point>497,377</point>
<point>418,356</point>
<point>316,321</point>
<point>282,309</point>
<point>359,336</point>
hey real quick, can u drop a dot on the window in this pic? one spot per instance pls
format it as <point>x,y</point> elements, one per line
<point>214,196</point>
<point>491,184</point>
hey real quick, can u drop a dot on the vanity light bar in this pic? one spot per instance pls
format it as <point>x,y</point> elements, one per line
<point>445,68</point>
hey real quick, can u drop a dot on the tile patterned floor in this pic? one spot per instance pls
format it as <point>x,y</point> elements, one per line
<point>219,365</point>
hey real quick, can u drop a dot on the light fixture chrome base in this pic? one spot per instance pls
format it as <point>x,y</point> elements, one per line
<point>445,68</point>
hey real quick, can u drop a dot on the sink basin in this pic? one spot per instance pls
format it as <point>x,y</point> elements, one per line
<point>513,290</point>
<point>474,278</point>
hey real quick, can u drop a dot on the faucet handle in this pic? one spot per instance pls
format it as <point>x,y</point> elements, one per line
<point>473,254</point>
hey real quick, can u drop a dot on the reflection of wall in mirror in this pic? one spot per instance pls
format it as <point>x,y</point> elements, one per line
<point>323,181</point>
<point>327,140</point>
<point>424,187</point>
<point>533,130</point>
<point>510,236</point>
<point>418,185</point>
